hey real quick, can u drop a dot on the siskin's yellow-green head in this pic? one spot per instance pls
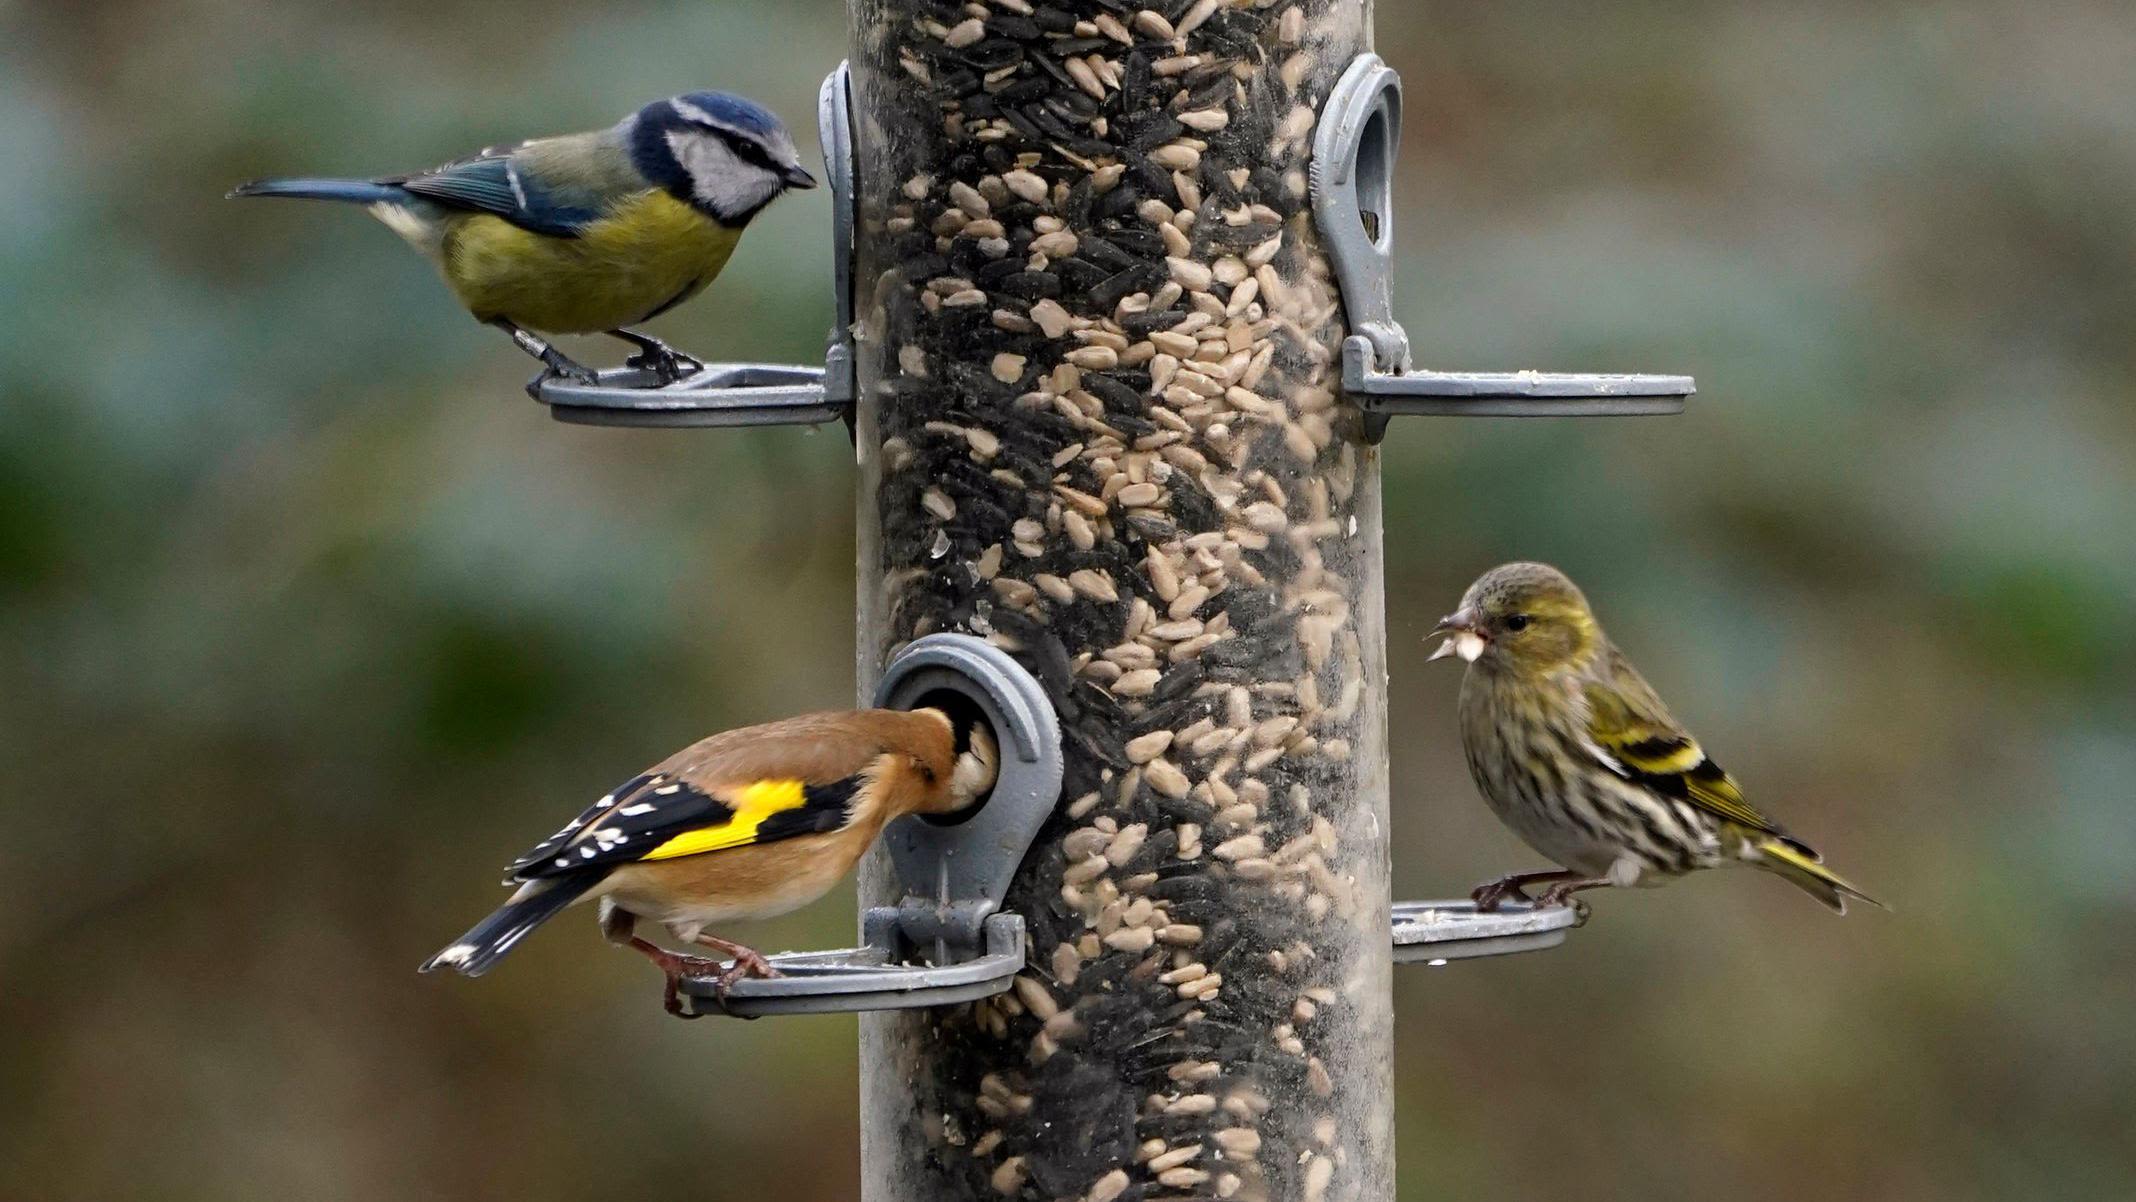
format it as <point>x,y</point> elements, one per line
<point>1525,618</point>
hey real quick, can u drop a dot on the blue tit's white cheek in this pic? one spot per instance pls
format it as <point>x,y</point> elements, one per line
<point>720,180</point>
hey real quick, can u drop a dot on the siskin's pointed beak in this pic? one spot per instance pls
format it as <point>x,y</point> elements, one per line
<point>1463,630</point>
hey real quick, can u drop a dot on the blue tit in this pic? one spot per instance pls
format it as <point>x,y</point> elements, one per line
<point>587,233</point>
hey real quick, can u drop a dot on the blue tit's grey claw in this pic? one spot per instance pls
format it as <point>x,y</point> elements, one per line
<point>559,365</point>
<point>669,367</point>
<point>569,369</point>
<point>665,362</point>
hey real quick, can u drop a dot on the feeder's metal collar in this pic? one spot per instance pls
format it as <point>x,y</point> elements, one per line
<point>1353,193</point>
<point>955,873</point>
<point>978,857</point>
<point>745,394</point>
<point>1434,932</point>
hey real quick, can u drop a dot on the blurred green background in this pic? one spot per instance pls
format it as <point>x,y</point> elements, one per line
<point>309,619</point>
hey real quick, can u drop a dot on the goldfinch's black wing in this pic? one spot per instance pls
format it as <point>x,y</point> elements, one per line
<point>498,182</point>
<point>548,848</point>
<point>1634,735</point>
<point>660,816</point>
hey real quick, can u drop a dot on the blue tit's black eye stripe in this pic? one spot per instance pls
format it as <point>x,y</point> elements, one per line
<point>749,150</point>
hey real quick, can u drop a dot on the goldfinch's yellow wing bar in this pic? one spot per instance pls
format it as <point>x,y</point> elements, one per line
<point>743,394</point>
<point>1353,205</point>
<point>661,817</point>
<point>759,812</point>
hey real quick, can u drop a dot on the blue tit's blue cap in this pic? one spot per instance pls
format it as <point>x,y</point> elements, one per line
<point>737,113</point>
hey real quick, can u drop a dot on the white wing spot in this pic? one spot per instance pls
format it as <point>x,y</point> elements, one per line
<point>643,807</point>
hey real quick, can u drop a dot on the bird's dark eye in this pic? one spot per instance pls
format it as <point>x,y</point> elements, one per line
<point>1516,622</point>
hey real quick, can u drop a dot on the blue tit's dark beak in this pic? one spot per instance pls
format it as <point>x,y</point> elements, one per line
<point>794,177</point>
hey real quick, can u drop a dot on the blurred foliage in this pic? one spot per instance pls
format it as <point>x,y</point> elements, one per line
<point>308,618</point>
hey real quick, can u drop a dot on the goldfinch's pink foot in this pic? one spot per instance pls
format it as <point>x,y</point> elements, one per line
<point>748,962</point>
<point>675,966</point>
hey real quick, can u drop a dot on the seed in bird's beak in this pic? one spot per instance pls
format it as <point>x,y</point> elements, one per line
<point>797,178</point>
<point>1463,631</point>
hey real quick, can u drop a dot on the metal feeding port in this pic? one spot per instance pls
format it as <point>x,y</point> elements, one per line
<point>744,394</point>
<point>947,941</point>
<point>1353,206</point>
<point>720,394</point>
<point>1434,932</point>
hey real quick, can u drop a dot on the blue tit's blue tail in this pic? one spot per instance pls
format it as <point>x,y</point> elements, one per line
<point>536,902</point>
<point>348,191</point>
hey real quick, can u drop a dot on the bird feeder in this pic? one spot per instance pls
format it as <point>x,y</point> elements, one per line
<point>947,940</point>
<point>1115,340</point>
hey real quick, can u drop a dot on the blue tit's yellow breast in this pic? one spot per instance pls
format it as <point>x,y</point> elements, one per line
<point>649,251</point>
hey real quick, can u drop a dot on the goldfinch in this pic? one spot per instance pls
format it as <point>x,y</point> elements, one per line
<point>587,233</point>
<point>1577,754</point>
<point>747,824</point>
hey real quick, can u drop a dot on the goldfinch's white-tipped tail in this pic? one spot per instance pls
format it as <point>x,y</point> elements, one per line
<point>536,902</point>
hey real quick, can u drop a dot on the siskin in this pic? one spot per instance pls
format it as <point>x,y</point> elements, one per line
<point>1575,752</point>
